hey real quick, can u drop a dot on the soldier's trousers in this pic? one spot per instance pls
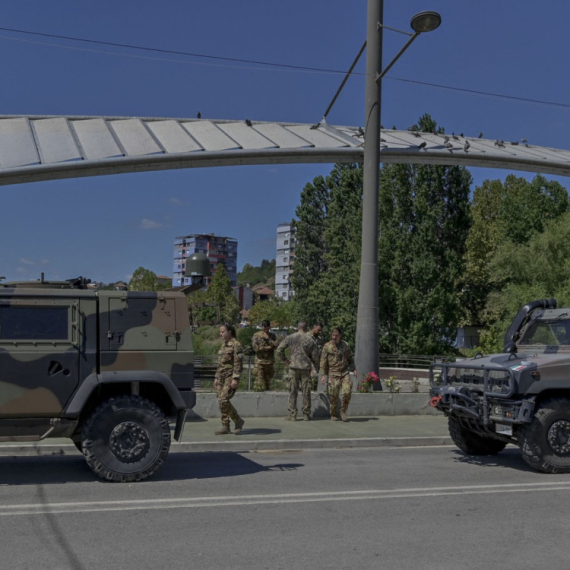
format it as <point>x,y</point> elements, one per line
<point>336,385</point>
<point>225,394</point>
<point>299,379</point>
<point>263,373</point>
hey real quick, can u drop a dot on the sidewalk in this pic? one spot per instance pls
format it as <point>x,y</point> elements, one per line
<point>275,433</point>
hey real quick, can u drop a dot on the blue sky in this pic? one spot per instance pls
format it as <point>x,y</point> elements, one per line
<point>105,227</point>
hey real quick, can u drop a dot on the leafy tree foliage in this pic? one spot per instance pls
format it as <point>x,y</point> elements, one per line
<point>143,280</point>
<point>537,269</point>
<point>424,220</point>
<point>217,304</point>
<point>280,313</point>
<point>265,273</point>
<point>327,251</point>
<point>510,212</point>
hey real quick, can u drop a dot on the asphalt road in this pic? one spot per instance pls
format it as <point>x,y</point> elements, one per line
<point>416,508</point>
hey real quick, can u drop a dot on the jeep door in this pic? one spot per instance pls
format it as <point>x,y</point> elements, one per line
<point>39,355</point>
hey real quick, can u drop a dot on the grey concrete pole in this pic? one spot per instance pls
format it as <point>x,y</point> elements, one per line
<point>367,316</point>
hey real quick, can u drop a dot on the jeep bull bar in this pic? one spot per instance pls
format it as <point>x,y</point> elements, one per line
<point>478,393</point>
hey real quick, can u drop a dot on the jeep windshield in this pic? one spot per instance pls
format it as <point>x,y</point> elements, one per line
<point>548,332</point>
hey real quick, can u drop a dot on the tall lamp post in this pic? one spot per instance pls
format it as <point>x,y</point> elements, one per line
<point>367,335</point>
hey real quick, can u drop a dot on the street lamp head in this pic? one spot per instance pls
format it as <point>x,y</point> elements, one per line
<point>425,22</point>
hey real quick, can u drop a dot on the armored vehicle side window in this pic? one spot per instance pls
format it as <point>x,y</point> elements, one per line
<point>34,323</point>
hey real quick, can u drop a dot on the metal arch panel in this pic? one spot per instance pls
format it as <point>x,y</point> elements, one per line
<point>279,135</point>
<point>48,148</point>
<point>134,137</point>
<point>246,137</point>
<point>96,139</point>
<point>172,136</point>
<point>17,144</point>
<point>210,136</point>
<point>317,137</point>
<point>55,140</point>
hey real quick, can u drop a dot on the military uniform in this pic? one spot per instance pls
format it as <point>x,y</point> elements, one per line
<point>336,362</point>
<point>319,341</point>
<point>263,369</point>
<point>230,365</point>
<point>303,357</point>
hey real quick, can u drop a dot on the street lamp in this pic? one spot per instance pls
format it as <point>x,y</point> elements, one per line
<point>367,315</point>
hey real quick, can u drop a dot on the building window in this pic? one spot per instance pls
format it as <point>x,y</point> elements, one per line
<point>286,242</point>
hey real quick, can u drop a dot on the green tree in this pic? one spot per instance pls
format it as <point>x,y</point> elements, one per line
<point>143,280</point>
<point>535,270</point>
<point>424,220</point>
<point>221,294</point>
<point>280,313</point>
<point>310,240</point>
<point>509,212</point>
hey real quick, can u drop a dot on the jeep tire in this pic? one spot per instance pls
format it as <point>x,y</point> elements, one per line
<point>545,442</point>
<point>126,438</point>
<point>472,443</point>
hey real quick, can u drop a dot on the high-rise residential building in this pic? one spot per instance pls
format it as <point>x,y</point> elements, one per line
<point>284,260</point>
<point>219,249</point>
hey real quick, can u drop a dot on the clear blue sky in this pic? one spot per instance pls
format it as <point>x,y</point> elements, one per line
<point>105,227</point>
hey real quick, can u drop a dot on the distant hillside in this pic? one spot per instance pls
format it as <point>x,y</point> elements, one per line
<point>264,274</point>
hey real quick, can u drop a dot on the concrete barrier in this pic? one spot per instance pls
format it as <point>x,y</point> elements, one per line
<point>272,404</point>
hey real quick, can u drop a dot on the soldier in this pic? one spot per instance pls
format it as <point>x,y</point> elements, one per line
<point>230,364</point>
<point>337,361</point>
<point>264,344</point>
<point>303,356</point>
<point>316,334</point>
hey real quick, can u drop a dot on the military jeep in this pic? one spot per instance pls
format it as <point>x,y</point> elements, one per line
<point>109,369</point>
<point>520,396</point>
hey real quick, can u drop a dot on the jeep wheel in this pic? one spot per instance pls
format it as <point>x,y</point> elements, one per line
<point>545,442</point>
<point>126,438</point>
<point>472,443</point>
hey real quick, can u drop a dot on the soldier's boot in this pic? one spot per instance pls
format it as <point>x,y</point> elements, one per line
<point>343,416</point>
<point>334,418</point>
<point>290,418</point>
<point>306,417</point>
<point>239,425</point>
<point>225,430</point>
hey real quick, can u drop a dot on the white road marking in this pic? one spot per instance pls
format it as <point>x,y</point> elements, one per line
<point>277,499</point>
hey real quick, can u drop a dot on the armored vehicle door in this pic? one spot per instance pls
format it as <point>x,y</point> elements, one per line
<point>39,354</point>
<point>139,322</point>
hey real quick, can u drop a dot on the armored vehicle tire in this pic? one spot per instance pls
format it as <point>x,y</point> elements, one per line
<point>545,442</point>
<point>472,443</point>
<point>126,438</point>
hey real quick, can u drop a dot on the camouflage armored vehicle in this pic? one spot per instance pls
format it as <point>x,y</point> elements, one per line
<point>520,396</point>
<point>109,369</point>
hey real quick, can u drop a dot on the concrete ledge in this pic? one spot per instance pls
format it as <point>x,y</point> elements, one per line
<point>274,404</point>
<point>246,445</point>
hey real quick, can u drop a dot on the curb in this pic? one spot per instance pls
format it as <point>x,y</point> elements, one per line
<point>31,450</point>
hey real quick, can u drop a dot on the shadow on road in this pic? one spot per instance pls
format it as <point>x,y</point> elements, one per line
<point>53,470</point>
<point>509,458</point>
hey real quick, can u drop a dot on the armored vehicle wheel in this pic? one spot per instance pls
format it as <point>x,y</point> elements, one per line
<point>545,442</point>
<point>126,438</point>
<point>472,443</point>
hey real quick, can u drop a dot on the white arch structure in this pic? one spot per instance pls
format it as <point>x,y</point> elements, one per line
<point>35,148</point>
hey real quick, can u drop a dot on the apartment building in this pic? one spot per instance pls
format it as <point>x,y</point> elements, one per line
<point>219,249</point>
<point>284,260</point>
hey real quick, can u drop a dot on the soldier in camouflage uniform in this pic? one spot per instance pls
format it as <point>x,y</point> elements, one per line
<point>264,344</point>
<point>336,363</point>
<point>230,364</point>
<point>303,356</point>
<point>316,334</point>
